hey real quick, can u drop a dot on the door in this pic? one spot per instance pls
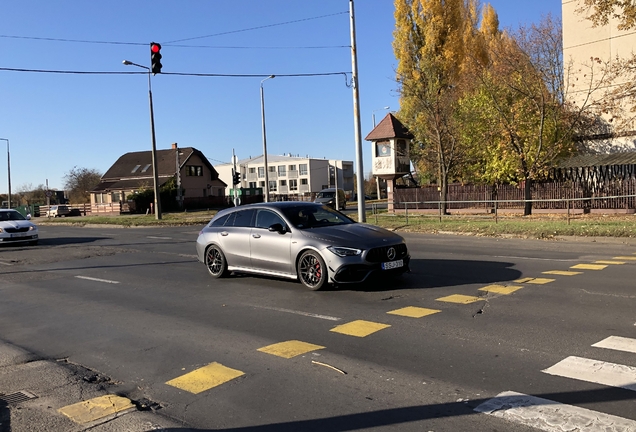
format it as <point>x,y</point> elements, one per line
<point>270,251</point>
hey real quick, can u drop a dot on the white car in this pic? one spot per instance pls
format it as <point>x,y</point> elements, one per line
<point>15,228</point>
<point>58,211</point>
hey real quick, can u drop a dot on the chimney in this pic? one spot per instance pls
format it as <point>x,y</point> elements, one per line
<point>174,146</point>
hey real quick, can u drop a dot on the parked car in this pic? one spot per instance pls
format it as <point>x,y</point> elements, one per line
<point>328,197</point>
<point>58,211</point>
<point>299,240</point>
<point>15,228</point>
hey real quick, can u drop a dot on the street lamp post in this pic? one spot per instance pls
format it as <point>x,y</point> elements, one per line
<point>265,139</point>
<point>379,109</point>
<point>8,171</point>
<point>154,144</point>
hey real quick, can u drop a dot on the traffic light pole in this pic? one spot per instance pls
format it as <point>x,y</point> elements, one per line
<point>155,177</point>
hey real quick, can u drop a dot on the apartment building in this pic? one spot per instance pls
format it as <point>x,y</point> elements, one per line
<point>290,176</point>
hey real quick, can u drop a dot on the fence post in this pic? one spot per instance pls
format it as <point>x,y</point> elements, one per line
<point>439,206</point>
<point>374,207</point>
<point>406,209</point>
<point>568,205</point>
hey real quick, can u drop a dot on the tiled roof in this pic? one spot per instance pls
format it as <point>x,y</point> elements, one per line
<point>389,127</point>
<point>625,158</point>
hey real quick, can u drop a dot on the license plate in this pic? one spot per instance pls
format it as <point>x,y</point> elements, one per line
<point>19,234</point>
<point>392,264</point>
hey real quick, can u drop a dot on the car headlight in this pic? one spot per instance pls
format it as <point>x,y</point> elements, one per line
<point>31,228</point>
<point>1,230</point>
<point>344,251</point>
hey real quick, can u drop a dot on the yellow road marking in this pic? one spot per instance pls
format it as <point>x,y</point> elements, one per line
<point>290,349</point>
<point>359,328</point>
<point>459,298</point>
<point>523,280</point>
<point>589,266</point>
<point>414,312</point>
<point>536,281</point>
<point>562,272</point>
<point>501,289</point>
<point>96,408</point>
<point>628,258</point>
<point>609,262</point>
<point>205,378</point>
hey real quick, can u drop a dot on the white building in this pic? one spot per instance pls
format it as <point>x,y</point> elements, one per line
<point>290,176</point>
<point>583,42</point>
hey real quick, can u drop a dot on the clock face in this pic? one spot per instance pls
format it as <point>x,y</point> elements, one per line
<point>384,150</point>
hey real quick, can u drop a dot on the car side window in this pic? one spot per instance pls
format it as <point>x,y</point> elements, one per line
<point>267,218</point>
<point>244,218</point>
<point>220,221</point>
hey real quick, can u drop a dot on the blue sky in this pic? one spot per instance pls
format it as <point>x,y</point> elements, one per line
<point>55,122</point>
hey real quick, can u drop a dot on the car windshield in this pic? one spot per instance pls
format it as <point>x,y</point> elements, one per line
<point>11,215</point>
<point>325,194</point>
<point>315,216</point>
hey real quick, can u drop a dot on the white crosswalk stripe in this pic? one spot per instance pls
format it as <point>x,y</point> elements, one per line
<point>595,371</point>
<point>551,416</point>
<point>618,343</point>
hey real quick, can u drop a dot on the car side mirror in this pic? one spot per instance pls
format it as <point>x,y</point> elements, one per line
<point>28,217</point>
<point>277,227</point>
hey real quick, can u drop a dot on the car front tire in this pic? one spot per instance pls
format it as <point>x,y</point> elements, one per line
<point>215,262</point>
<point>312,270</point>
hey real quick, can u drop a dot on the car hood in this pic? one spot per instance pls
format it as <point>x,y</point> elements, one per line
<point>359,235</point>
<point>16,224</point>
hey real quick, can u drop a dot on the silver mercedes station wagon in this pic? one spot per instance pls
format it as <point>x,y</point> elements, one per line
<point>299,240</point>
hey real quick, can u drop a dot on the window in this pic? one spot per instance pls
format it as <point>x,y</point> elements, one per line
<point>135,169</point>
<point>261,184</point>
<point>244,218</point>
<point>303,182</point>
<point>261,172</point>
<point>252,170</point>
<point>272,186</point>
<point>293,185</point>
<point>251,185</point>
<point>145,168</point>
<point>283,183</point>
<point>303,169</point>
<point>116,197</point>
<point>292,167</point>
<point>220,221</point>
<point>382,148</point>
<point>194,171</point>
<point>282,170</point>
<point>267,218</point>
<point>271,169</point>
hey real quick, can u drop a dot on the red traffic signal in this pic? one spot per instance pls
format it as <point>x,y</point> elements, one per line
<point>155,58</point>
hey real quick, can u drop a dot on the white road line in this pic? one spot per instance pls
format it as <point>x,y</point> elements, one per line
<point>596,371</point>
<point>617,343</point>
<point>308,314</point>
<point>159,238</point>
<point>97,280</point>
<point>5,263</point>
<point>551,416</point>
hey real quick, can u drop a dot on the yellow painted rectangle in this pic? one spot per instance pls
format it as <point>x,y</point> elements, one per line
<point>501,289</point>
<point>290,349</point>
<point>459,298</point>
<point>359,328</point>
<point>523,280</point>
<point>540,281</point>
<point>627,258</point>
<point>97,408</point>
<point>589,266</point>
<point>609,262</point>
<point>562,272</point>
<point>205,378</point>
<point>414,312</point>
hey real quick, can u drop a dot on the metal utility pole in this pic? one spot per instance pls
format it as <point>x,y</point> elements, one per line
<point>265,138</point>
<point>178,166</point>
<point>362,217</point>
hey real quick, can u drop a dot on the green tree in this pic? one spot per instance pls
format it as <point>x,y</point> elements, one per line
<point>78,183</point>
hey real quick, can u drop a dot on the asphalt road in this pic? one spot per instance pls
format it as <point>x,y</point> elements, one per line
<point>476,317</point>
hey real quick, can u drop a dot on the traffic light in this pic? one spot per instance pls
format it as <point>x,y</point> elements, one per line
<point>155,58</point>
<point>236,177</point>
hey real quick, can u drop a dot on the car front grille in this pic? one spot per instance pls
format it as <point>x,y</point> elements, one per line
<point>380,254</point>
<point>16,230</point>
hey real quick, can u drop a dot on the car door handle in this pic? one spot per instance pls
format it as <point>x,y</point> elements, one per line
<point>224,233</point>
<point>256,235</point>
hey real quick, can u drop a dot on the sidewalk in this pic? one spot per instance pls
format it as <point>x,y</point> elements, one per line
<point>41,395</point>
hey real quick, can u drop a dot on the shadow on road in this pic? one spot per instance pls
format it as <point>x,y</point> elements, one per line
<point>5,418</point>
<point>405,415</point>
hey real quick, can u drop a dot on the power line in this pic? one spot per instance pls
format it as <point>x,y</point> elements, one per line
<point>70,72</point>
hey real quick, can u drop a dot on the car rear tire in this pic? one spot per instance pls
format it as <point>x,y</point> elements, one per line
<point>312,271</point>
<point>215,262</point>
